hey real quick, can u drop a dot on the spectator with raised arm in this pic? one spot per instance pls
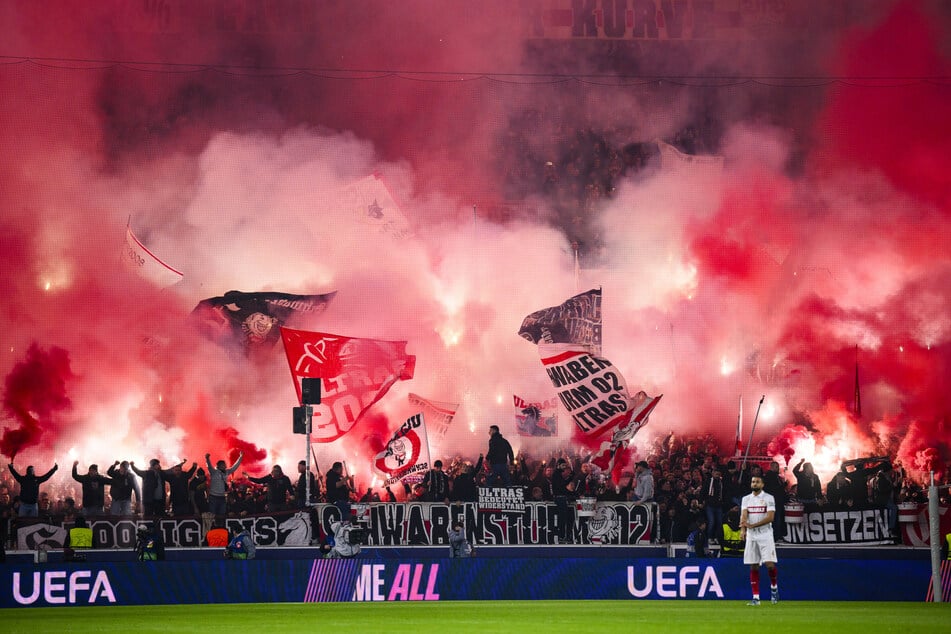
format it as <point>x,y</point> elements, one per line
<point>94,489</point>
<point>808,486</point>
<point>154,480</point>
<point>338,490</point>
<point>218,484</point>
<point>459,546</point>
<point>30,489</point>
<point>124,484</point>
<point>178,490</point>
<point>278,486</point>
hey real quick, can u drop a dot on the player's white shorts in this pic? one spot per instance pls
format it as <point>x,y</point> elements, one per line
<point>759,550</point>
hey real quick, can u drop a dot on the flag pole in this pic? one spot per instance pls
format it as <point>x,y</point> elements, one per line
<point>574,246</point>
<point>752,429</point>
<point>858,393</point>
<point>738,441</point>
<point>317,468</point>
<point>310,414</point>
<point>125,242</point>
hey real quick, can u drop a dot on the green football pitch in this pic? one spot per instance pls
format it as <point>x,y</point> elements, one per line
<point>487,617</point>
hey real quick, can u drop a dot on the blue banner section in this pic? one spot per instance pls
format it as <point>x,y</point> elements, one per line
<point>225,581</point>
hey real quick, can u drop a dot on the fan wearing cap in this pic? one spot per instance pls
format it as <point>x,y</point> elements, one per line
<point>643,483</point>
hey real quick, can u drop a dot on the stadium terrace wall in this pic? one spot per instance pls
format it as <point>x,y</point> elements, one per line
<point>413,524</point>
<point>340,580</point>
<point>427,524</point>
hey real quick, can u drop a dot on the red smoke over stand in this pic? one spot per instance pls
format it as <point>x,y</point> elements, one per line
<point>35,395</point>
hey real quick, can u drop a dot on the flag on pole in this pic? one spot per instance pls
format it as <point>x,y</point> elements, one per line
<point>253,319</point>
<point>589,387</point>
<point>355,373</point>
<point>536,418</point>
<point>577,320</point>
<point>437,413</point>
<point>592,390</point>
<point>406,457</point>
<point>369,202</point>
<point>136,257</point>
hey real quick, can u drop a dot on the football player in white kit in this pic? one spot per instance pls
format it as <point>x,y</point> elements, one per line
<point>756,517</point>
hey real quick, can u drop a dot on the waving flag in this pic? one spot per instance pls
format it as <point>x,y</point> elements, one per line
<point>438,414</point>
<point>253,319</point>
<point>577,320</point>
<point>536,418</point>
<point>139,259</point>
<point>355,373</point>
<point>589,387</point>
<point>596,397</point>
<point>369,202</point>
<point>406,456</point>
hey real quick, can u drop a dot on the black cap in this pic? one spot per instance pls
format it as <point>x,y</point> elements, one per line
<point>643,463</point>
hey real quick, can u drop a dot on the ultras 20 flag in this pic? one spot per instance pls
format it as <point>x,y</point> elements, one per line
<point>355,373</point>
<point>576,320</point>
<point>406,456</point>
<point>253,319</point>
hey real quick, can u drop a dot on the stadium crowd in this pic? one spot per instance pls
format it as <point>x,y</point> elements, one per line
<point>688,478</point>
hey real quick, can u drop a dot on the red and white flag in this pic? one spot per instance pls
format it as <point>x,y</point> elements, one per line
<point>355,373</point>
<point>406,456</point>
<point>596,397</point>
<point>139,259</point>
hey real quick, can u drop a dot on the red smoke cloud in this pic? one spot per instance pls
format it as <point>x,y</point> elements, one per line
<point>35,395</point>
<point>900,133</point>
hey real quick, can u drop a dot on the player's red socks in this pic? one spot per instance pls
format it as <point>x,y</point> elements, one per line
<point>754,581</point>
<point>773,574</point>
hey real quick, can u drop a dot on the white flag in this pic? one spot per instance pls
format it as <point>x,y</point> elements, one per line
<point>406,456</point>
<point>438,413</point>
<point>369,202</point>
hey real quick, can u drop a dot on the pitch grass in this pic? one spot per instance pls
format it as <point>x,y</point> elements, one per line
<point>489,617</point>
